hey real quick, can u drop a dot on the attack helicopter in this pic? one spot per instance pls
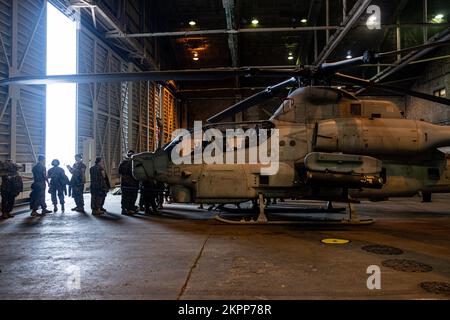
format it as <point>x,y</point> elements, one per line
<point>331,145</point>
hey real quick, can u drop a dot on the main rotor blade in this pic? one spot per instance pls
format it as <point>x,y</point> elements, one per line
<point>243,105</point>
<point>370,84</point>
<point>178,75</point>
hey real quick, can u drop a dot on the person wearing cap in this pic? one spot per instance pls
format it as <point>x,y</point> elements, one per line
<point>99,187</point>
<point>58,185</point>
<point>77,182</point>
<point>37,196</point>
<point>12,186</point>
<point>129,185</point>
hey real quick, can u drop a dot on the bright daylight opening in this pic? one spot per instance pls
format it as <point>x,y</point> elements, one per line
<point>61,98</point>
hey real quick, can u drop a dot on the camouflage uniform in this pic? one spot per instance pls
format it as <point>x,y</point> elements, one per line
<point>129,186</point>
<point>77,183</point>
<point>99,187</point>
<point>37,196</point>
<point>57,189</point>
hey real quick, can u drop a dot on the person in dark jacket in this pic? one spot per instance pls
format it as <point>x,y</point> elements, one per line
<point>37,196</point>
<point>77,182</point>
<point>148,197</point>
<point>58,185</point>
<point>12,186</point>
<point>99,186</point>
<point>128,185</point>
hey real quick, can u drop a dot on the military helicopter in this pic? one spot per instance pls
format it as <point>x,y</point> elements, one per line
<point>331,145</point>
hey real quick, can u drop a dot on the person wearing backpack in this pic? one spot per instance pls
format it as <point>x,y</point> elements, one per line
<point>37,195</point>
<point>77,182</point>
<point>12,186</point>
<point>99,187</point>
<point>58,185</point>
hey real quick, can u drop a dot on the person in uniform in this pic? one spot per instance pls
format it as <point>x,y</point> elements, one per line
<point>58,185</point>
<point>99,187</point>
<point>77,182</point>
<point>37,196</point>
<point>129,185</point>
<point>148,196</point>
<point>160,192</point>
<point>12,186</point>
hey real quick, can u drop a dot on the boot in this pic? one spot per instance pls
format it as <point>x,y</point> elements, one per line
<point>97,213</point>
<point>55,208</point>
<point>44,212</point>
<point>127,212</point>
<point>34,213</point>
<point>62,208</point>
<point>5,215</point>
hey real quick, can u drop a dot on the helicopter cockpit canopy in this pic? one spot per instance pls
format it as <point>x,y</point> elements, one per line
<point>310,104</point>
<point>198,140</point>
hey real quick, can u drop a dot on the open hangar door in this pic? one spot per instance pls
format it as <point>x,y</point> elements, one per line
<point>22,109</point>
<point>111,118</point>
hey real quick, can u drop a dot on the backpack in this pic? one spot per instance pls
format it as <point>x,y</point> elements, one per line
<point>65,180</point>
<point>17,183</point>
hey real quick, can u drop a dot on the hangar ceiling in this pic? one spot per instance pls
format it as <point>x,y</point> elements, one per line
<point>288,33</point>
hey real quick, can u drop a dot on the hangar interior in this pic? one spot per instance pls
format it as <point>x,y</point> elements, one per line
<point>118,36</point>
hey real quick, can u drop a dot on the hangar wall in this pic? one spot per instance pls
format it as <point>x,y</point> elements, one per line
<point>436,76</point>
<point>22,51</point>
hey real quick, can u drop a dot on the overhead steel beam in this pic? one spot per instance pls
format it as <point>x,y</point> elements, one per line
<point>351,19</point>
<point>408,59</point>
<point>230,6</point>
<point>115,34</point>
<point>312,17</point>
<point>412,56</point>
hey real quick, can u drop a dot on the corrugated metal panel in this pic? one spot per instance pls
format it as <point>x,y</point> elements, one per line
<point>100,106</point>
<point>30,23</point>
<point>5,120</point>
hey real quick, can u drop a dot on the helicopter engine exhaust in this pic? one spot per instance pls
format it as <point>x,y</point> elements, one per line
<point>377,136</point>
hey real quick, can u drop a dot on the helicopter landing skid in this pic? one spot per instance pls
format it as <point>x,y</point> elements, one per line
<point>262,219</point>
<point>281,222</point>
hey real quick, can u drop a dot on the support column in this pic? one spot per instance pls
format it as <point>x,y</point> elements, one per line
<point>327,19</point>
<point>14,91</point>
<point>130,110</point>
<point>425,20</point>
<point>262,216</point>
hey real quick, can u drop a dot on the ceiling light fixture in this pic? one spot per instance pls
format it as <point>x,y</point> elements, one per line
<point>303,20</point>
<point>439,16</point>
<point>349,55</point>
<point>255,21</point>
<point>192,23</point>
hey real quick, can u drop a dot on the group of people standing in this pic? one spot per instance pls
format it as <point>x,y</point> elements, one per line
<point>152,192</point>
<point>60,186</point>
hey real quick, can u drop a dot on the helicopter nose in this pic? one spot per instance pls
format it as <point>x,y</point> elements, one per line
<point>148,165</point>
<point>143,166</point>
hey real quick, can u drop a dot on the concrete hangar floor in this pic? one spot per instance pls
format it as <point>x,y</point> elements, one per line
<point>186,254</point>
